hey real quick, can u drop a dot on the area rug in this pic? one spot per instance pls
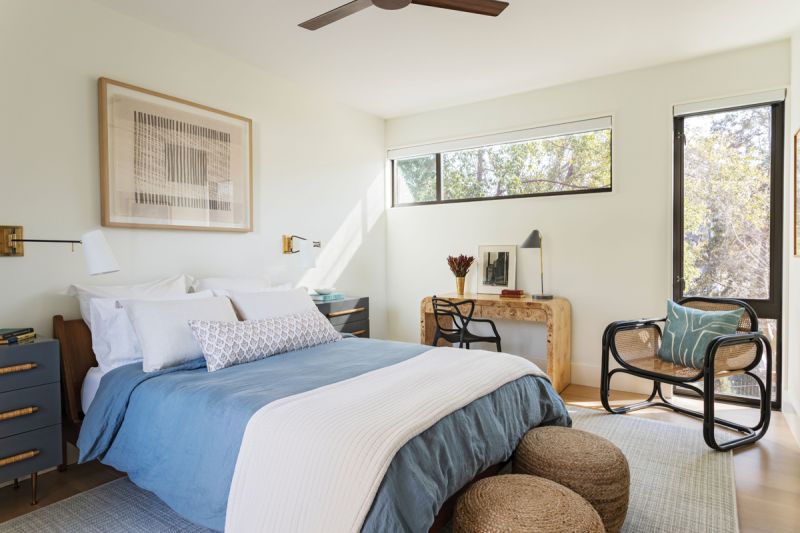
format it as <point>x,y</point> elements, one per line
<point>677,484</point>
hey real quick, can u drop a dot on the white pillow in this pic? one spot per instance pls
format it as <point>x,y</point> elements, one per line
<point>164,288</point>
<point>162,328</point>
<point>271,304</point>
<point>114,340</point>
<point>276,288</point>
<point>231,284</point>
<point>233,343</point>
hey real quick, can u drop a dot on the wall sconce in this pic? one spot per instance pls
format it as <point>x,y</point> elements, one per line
<point>96,251</point>
<point>288,244</point>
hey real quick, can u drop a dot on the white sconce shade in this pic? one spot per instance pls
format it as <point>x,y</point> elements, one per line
<point>97,253</point>
<point>308,259</point>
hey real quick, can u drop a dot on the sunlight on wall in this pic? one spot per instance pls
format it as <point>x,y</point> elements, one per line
<point>339,250</point>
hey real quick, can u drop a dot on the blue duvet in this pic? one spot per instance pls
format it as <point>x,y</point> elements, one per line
<point>177,432</point>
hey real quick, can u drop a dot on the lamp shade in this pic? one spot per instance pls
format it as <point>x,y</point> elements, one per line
<point>307,257</point>
<point>97,253</point>
<point>534,240</point>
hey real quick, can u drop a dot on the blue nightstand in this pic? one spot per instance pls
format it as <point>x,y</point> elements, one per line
<point>30,410</point>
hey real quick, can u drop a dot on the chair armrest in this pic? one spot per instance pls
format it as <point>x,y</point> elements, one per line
<point>487,321</point>
<point>633,324</point>
<point>737,351</point>
<point>646,347</point>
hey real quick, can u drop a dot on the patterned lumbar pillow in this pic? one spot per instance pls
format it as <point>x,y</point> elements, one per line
<point>227,344</point>
<point>689,331</point>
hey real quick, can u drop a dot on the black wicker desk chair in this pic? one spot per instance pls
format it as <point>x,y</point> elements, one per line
<point>453,320</point>
<point>634,346</point>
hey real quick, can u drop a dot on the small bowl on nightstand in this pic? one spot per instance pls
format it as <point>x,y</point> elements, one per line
<point>325,291</point>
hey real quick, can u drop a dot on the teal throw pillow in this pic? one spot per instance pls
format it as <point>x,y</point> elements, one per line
<point>689,331</point>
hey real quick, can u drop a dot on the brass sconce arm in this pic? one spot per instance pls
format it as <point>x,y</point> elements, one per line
<point>288,243</point>
<point>12,239</point>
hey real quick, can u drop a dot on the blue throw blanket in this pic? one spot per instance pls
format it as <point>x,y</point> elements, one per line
<point>177,432</point>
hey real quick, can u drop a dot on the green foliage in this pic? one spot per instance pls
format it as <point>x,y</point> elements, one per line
<point>568,163</point>
<point>727,203</point>
<point>416,179</point>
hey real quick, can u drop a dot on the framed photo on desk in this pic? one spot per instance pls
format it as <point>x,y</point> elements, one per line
<point>497,268</point>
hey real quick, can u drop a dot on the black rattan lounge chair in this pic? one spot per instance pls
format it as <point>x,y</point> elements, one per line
<point>634,346</point>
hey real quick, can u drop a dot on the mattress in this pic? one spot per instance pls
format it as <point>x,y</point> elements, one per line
<point>90,385</point>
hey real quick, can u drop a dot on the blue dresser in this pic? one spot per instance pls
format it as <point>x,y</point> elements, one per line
<point>30,410</point>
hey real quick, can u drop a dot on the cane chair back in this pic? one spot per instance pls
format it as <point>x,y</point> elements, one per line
<point>639,347</point>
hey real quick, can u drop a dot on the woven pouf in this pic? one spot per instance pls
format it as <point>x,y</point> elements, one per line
<point>584,462</point>
<point>518,503</point>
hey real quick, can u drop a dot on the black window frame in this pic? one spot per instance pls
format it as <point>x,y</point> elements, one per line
<point>439,184</point>
<point>772,307</point>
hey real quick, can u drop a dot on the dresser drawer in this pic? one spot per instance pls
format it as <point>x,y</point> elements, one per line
<point>29,365</point>
<point>359,329</point>
<point>345,311</point>
<point>26,409</point>
<point>30,452</point>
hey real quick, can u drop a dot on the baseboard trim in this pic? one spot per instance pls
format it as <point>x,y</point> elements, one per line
<point>791,413</point>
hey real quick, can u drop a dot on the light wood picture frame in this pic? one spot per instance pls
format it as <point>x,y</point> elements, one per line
<point>168,163</point>
<point>497,268</point>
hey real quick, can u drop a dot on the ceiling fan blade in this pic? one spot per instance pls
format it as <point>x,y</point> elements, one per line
<point>491,8</point>
<point>336,14</point>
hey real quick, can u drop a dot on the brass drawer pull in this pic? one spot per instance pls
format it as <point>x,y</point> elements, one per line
<point>5,461</point>
<point>348,312</point>
<point>359,332</point>
<point>16,413</point>
<point>17,368</point>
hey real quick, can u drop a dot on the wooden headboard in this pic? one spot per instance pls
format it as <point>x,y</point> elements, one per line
<point>77,358</point>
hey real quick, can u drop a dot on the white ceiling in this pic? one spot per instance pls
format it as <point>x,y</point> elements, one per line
<point>393,63</point>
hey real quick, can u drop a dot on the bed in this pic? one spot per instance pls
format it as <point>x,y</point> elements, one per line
<point>132,426</point>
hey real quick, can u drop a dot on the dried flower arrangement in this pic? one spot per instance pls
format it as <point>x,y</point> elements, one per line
<point>460,265</point>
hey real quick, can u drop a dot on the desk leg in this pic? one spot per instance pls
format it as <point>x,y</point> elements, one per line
<point>427,325</point>
<point>559,349</point>
<point>427,328</point>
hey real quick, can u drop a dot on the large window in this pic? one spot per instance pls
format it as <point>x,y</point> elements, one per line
<point>542,161</point>
<point>728,215</point>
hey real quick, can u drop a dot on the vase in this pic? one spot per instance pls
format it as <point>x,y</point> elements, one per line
<point>460,285</point>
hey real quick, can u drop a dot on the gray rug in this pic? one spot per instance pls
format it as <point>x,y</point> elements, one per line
<point>677,484</point>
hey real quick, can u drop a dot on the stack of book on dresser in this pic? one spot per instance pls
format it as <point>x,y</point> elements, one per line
<point>16,335</point>
<point>508,293</point>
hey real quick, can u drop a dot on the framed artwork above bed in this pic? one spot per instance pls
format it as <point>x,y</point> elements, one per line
<point>170,163</point>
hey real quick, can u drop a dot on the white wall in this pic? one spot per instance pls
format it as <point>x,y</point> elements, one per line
<point>608,253</point>
<point>792,359</point>
<point>319,166</point>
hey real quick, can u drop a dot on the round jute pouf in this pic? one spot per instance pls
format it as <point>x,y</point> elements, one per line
<point>584,462</point>
<point>517,503</point>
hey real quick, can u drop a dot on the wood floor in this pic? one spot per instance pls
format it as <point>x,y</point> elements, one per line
<point>767,474</point>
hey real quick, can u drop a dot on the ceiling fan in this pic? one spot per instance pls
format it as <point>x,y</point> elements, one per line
<point>491,8</point>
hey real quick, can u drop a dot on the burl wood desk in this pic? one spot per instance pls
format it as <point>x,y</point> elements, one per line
<point>555,314</point>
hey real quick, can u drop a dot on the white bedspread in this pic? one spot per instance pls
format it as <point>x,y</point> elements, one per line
<point>314,461</point>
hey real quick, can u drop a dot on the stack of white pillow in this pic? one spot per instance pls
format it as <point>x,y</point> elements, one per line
<point>149,322</point>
